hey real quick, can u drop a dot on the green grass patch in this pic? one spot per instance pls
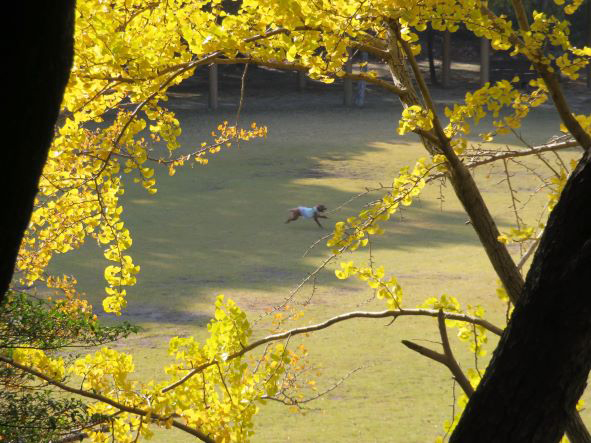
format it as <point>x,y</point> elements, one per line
<point>220,229</point>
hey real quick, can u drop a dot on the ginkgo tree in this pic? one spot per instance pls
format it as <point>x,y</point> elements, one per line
<point>128,53</point>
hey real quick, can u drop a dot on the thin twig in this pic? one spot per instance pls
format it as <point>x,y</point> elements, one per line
<point>453,409</point>
<point>476,349</point>
<point>529,251</point>
<point>295,402</point>
<point>241,103</point>
<point>514,200</point>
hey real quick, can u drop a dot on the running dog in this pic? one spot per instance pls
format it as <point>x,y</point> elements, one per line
<point>302,211</point>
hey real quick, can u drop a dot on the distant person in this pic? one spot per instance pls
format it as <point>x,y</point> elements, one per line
<point>302,211</point>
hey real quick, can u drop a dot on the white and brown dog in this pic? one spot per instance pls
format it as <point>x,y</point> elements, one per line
<point>302,211</point>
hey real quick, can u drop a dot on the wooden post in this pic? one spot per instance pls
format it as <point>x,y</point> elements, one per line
<point>446,60</point>
<point>301,80</point>
<point>484,61</point>
<point>348,84</point>
<point>361,84</point>
<point>213,86</point>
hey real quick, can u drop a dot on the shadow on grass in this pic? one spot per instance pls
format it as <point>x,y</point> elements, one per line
<point>193,244</point>
<point>220,227</point>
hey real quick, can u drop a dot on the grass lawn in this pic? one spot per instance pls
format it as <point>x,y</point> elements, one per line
<point>219,229</point>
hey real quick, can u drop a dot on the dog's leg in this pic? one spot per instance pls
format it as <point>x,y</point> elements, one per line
<point>294,214</point>
<point>316,220</point>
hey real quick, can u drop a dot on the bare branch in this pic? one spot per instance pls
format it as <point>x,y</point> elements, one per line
<point>332,321</point>
<point>292,294</point>
<point>550,78</point>
<point>493,156</point>
<point>452,363</point>
<point>467,191</point>
<point>429,353</point>
<point>286,66</point>
<point>529,251</point>
<point>295,402</point>
<point>447,358</point>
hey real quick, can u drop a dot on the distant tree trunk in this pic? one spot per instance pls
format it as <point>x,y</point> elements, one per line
<point>446,60</point>
<point>540,367</point>
<point>40,66</point>
<point>348,83</point>
<point>213,86</point>
<point>301,81</point>
<point>361,84</point>
<point>432,71</point>
<point>484,61</point>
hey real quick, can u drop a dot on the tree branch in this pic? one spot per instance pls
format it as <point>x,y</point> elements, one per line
<point>447,358</point>
<point>468,192</point>
<point>452,363</point>
<point>297,67</point>
<point>550,79</point>
<point>334,320</point>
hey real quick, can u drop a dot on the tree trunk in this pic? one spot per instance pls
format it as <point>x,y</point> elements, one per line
<point>301,80</point>
<point>348,83</point>
<point>484,61</point>
<point>446,60</point>
<point>431,56</point>
<point>43,52</point>
<point>361,84</point>
<point>213,86</point>
<point>540,367</point>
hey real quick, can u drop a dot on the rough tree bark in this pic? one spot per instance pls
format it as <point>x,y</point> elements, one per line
<point>40,66</point>
<point>540,367</point>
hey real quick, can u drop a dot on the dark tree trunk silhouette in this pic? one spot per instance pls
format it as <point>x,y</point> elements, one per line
<point>540,367</point>
<point>42,53</point>
<point>589,41</point>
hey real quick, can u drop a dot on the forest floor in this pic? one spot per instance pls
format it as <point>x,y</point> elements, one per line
<point>220,229</point>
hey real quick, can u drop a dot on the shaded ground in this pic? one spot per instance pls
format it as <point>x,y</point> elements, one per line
<point>274,89</point>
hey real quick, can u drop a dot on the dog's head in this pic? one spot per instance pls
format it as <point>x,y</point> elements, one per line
<point>320,208</point>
